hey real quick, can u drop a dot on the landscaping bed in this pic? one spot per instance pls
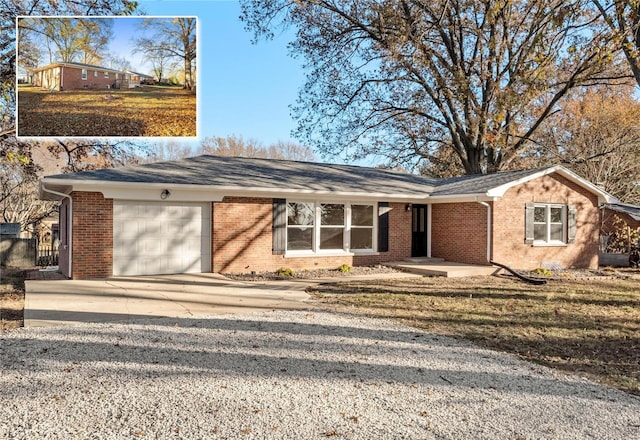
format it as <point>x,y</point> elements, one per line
<point>343,272</point>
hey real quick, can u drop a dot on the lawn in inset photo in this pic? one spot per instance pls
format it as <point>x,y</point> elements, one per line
<point>145,111</point>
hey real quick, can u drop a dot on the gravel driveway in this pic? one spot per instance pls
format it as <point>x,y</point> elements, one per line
<point>288,374</point>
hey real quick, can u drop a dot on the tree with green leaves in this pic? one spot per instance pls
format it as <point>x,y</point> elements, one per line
<point>171,38</point>
<point>408,78</point>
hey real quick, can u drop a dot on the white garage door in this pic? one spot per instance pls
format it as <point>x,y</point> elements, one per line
<point>161,238</point>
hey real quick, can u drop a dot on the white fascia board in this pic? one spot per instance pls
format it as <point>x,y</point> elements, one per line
<point>189,192</point>
<point>603,196</point>
<point>461,198</point>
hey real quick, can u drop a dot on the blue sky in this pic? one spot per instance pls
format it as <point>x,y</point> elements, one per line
<point>243,89</point>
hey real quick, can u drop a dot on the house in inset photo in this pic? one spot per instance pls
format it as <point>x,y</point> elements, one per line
<point>69,76</point>
<point>222,214</point>
<point>94,77</point>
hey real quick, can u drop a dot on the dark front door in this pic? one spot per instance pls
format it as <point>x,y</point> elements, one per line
<point>419,231</point>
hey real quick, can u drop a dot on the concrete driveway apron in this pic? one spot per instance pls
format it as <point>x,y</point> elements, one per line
<point>127,299</point>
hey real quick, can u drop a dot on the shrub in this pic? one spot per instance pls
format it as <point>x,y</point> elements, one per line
<point>541,271</point>
<point>344,268</point>
<point>286,272</point>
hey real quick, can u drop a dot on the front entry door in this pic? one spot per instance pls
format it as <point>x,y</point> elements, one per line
<point>419,231</point>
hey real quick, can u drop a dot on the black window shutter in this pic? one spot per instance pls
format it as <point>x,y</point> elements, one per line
<point>279,229</point>
<point>528,223</point>
<point>383,227</point>
<point>571,224</point>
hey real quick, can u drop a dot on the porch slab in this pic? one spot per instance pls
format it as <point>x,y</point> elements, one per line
<point>437,267</point>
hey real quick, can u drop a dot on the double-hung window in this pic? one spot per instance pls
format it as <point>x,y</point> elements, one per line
<point>331,226</point>
<point>361,227</point>
<point>95,73</point>
<point>317,227</point>
<point>550,224</point>
<point>84,73</point>
<point>106,74</point>
<point>300,226</point>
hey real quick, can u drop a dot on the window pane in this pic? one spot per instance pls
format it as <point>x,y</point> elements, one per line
<point>362,215</point>
<point>299,239</point>
<point>540,214</point>
<point>540,232</point>
<point>331,238</point>
<point>556,215</point>
<point>332,214</point>
<point>300,214</point>
<point>556,232</point>
<point>362,238</point>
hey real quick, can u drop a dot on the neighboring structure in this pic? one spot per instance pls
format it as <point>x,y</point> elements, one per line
<point>136,79</point>
<point>630,214</point>
<point>228,215</point>
<point>69,76</point>
<point>619,233</point>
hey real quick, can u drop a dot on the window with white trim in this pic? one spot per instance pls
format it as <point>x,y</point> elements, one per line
<point>332,226</point>
<point>549,223</point>
<point>84,73</point>
<point>361,227</point>
<point>300,226</point>
<point>315,227</point>
<point>106,74</point>
<point>95,73</point>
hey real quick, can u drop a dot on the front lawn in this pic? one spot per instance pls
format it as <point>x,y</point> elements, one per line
<point>147,111</point>
<point>11,298</point>
<point>589,326</point>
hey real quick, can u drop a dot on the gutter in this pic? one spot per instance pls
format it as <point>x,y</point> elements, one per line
<point>488,229</point>
<point>69,222</point>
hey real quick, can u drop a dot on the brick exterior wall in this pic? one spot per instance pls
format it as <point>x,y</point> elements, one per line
<point>92,236</point>
<point>509,225</point>
<point>459,232</point>
<point>242,239</point>
<point>71,78</point>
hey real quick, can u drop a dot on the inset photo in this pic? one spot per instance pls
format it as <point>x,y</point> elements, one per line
<point>106,76</point>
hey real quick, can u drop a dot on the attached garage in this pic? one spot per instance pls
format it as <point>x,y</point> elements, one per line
<point>151,238</point>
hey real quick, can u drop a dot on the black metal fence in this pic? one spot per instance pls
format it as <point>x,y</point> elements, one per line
<point>47,255</point>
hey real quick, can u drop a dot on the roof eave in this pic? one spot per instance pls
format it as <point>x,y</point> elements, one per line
<point>112,189</point>
<point>603,196</point>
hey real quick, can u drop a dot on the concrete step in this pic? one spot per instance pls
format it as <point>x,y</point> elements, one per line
<point>443,269</point>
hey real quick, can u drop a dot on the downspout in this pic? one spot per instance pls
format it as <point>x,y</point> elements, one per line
<point>488,229</point>
<point>69,221</point>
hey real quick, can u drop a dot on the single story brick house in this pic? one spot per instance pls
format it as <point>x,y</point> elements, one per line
<point>221,214</point>
<point>68,76</point>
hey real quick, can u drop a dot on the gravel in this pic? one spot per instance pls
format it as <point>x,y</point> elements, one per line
<point>289,375</point>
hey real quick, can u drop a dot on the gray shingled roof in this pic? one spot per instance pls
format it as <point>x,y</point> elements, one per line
<point>631,210</point>
<point>262,173</point>
<point>479,183</point>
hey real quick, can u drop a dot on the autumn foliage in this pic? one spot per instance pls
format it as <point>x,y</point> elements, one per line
<point>148,111</point>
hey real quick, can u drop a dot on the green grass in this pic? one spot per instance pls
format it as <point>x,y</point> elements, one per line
<point>585,326</point>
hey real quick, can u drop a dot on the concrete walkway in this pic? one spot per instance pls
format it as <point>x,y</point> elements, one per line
<point>128,299</point>
<point>438,267</point>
